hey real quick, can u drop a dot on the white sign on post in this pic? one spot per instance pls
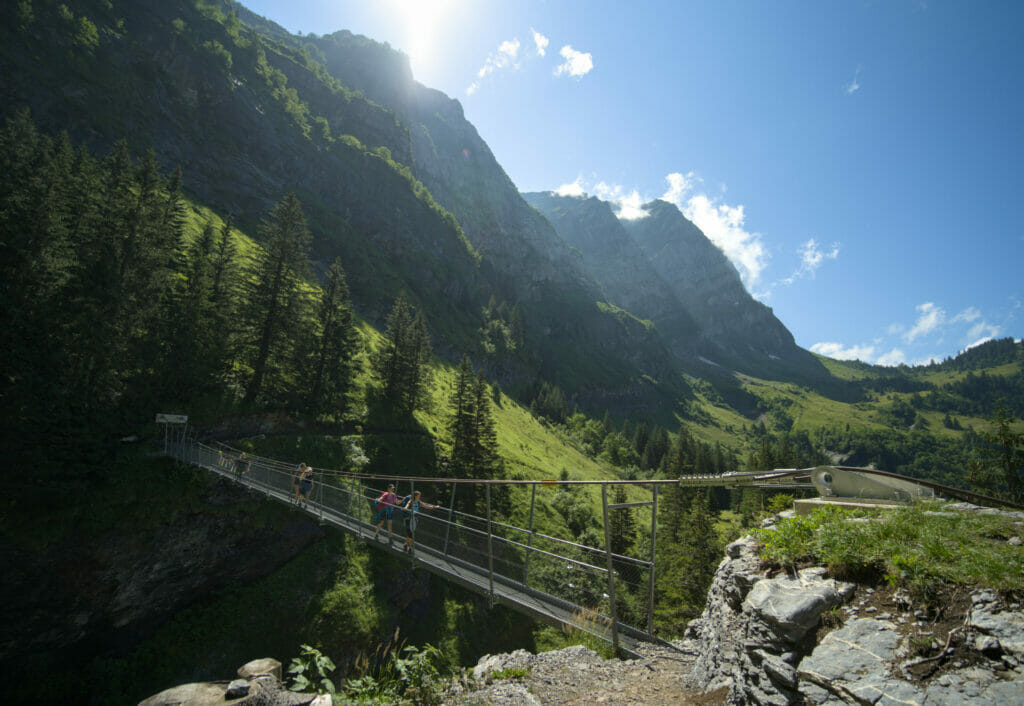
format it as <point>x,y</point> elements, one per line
<point>172,419</point>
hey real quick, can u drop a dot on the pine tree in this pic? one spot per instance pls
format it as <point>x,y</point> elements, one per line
<point>275,312</point>
<point>640,438</point>
<point>488,462</point>
<point>402,363</point>
<point>700,551</point>
<point>331,364</point>
<point>462,424</point>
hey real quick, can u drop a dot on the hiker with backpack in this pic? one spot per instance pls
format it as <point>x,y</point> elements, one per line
<point>385,509</point>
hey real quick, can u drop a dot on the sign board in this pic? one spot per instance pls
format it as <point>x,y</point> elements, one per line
<point>549,483</point>
<point>171,418</point>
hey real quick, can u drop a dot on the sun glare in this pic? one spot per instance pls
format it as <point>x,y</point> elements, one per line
<point>421,23</point>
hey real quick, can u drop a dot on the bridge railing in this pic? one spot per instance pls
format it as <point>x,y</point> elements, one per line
<point>569,574</point>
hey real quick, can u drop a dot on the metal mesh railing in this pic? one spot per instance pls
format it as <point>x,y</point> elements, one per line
<point>505,561</point>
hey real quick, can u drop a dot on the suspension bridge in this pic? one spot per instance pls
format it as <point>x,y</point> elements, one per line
<point>592,589</point>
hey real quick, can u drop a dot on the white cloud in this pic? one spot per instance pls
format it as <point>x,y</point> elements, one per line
<point>842,352</point>
<point>811,257</point>
<point>576,63</point>
<point>892,358</point>
<point>678,186</point>
<point>984,331</point>
<point>854,85</point>
<point>865,354</point>
<point>723,225</point>
<point>630,203</point>
<point>969,314</point>
<point>931,318</point>
<point>503,57</point>
<point>574,189</point>
<point>539,41</point>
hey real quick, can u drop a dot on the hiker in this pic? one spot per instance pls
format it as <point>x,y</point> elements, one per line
<point>306,484</point>
<point>296,475</point>
<point>241,465</point>
<point>412,506</point>
<point>386,502</point>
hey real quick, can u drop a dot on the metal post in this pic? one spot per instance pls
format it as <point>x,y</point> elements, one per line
<point>448,527</point>
<point>529,537</point>
<point>321,497</point>
<point>654,535</point>
<point>611,569</point>
<point>412,520</point>
<point>490,548</point>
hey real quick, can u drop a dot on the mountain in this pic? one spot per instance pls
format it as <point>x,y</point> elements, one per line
<point>745,333</point>
<point>393,179</point>
<point>662,267</point>
<point>621,268</point>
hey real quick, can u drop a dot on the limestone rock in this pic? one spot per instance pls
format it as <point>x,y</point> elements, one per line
<point>793,606</point>
<point>267,665</point>
<point>1006,626</point>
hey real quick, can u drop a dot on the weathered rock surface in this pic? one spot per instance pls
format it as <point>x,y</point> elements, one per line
<point>261,687</point>
<point>756,637</point>
<point>753,627</point>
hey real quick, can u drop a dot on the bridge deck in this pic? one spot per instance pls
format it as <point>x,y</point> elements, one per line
<point>499,589</point>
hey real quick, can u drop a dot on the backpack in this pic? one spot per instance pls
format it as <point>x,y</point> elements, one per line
<point>380,501</point>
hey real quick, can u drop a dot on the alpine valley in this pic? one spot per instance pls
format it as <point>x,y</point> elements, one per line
<point>608,348</point>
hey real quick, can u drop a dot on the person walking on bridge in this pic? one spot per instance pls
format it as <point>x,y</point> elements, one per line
<point>296,477</point>
<point>305,485</point>
<point>385,509</point>
<point>412,506</point>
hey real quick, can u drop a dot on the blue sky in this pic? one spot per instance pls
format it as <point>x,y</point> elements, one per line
<point>859,162</point>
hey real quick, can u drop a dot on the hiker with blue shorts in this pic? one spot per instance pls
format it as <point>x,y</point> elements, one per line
<point>385,509</point>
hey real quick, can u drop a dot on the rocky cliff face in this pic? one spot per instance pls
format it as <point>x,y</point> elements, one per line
<point>737,330</point>
<point>86,594</point>
<point>622,270</point>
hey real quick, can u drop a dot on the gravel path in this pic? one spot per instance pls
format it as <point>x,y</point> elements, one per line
<point>578,676</point>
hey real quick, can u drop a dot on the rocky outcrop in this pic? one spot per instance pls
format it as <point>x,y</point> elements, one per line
<point>753,629</point>
<point>258,684</point>
<point>757,638</point>
<point>576,675</point>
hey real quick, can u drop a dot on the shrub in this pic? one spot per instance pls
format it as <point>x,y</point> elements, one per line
<point>311,668</point>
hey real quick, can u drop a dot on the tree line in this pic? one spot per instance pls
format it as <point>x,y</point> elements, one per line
<point>114,308</point>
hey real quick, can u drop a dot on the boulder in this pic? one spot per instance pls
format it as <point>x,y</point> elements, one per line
<point>266,665</point>
<point>792,606</point>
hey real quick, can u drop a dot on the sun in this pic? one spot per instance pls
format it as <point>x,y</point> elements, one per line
<point>420,24</point>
